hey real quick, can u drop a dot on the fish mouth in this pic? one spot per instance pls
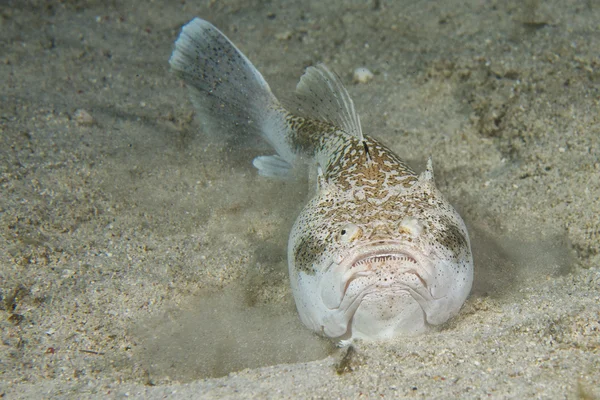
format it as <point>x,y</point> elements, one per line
<point>375,261</point>
<point>369,272</point>
<point>374,258</point>
<point>387,260</point>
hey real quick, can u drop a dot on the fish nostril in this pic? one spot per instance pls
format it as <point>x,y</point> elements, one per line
<point>380,233</point>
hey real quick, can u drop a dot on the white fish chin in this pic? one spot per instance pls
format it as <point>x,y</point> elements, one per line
<point>386,314</point>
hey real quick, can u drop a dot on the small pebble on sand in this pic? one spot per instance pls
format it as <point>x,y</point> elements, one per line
<point>362,75</point>
<point>82,117</point>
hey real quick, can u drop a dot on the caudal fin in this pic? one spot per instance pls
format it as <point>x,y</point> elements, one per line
<point>228,91</point>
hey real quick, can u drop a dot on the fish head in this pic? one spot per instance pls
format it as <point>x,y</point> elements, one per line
<point>375,271</point>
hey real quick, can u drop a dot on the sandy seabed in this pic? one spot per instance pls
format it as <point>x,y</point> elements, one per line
<point>143,258</point>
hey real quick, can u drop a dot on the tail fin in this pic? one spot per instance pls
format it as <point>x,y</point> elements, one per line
<point>227,90</point>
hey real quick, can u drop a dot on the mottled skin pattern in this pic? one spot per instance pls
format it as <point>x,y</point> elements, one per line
<point>366,189</point>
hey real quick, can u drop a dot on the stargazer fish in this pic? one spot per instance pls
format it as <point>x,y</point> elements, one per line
<point>377,252</point>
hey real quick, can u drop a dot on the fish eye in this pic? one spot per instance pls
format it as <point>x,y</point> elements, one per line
<point>349,232</point>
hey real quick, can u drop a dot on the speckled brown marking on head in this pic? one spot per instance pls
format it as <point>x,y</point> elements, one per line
<point>350,167</point>
<point>451,236</point>
<point>347,162</point>
<point>308,250</point>
<point>375,181</point>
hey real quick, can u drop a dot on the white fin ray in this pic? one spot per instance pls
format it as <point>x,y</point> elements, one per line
<point>322,96</point>
<point>273,167</point>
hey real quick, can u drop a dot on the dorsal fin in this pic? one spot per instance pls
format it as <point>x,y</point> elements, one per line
<point>321,95</point>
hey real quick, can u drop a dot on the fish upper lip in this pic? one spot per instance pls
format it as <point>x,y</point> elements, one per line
<point>381,249</point>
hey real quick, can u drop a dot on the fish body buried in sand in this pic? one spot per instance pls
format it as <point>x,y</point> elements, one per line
<point>377,252</point>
